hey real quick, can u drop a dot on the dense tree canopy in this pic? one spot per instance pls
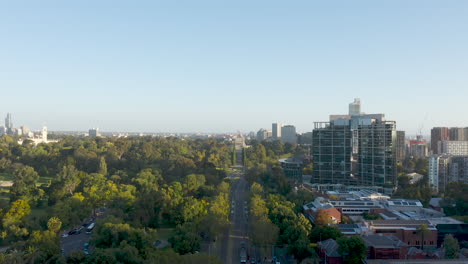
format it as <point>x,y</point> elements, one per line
<point>144,182</point>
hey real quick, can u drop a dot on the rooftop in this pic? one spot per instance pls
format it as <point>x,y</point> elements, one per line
<point>331,247</point>
<point>401,223</point>
<point>404,202</point>
<point>381,241</point>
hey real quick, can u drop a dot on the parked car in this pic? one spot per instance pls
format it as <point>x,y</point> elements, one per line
<point>86,248</point>
<point>65,235</point>
<point>79,229</point>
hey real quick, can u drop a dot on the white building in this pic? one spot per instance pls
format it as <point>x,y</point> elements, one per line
<point>453,147</point>
<point>288,134</point>
<point>355,107</point>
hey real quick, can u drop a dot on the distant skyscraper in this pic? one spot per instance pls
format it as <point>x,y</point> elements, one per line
<point>400,146</point>
<point>288,134</point>
<point>9,124</point>
<point>355,107</point>
<point>263,134</point>
<point>44,134</point>
<point>94,132</point>
<point>276,130</point>
<point>438,134</point>
<point>355,150</point>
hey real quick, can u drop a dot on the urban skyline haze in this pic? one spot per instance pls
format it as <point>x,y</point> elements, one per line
<point>211,66</point>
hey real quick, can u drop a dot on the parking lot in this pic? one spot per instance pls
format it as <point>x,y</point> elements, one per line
<point>76,241</point>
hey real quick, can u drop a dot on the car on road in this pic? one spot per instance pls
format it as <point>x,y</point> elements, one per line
<point>65,235</point>
<point>243,253</point>
<point>253,261</point>
<point>86,248</point>
<point>72,232</point>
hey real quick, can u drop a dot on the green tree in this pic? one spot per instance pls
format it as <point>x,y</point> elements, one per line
<point>72,210</point>
<point>185,239</point>
<point>54,224</point>
<point>193,182</point>
<point>147,180</point>
<point>102,166</point>
<point>321,233</point>
<point>301,248</point>
<point>111,232</point>
<point>13,219</point>
<point>24,184</point>
<point>352,249</point>
<point>234,156</point>
<point>322,218</point>
<point>423,230</point>
<point>256,189</point>
<point>451,246</point>
<point>46,242</point>
<point>76,257</point>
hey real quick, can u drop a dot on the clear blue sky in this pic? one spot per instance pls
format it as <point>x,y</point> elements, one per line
<point>228,65</point>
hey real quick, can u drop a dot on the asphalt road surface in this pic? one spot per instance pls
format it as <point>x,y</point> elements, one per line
<point>238,232</point>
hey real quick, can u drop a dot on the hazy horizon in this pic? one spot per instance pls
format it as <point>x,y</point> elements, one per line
<point>209,66</point>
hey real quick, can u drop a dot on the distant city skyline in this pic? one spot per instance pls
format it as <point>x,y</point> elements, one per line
<point>210,66</point>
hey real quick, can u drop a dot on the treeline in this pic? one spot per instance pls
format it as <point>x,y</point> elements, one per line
<point>275,206</point>
<point>144,183</point>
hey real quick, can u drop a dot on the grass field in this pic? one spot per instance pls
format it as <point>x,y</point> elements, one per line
<point>6,177</point>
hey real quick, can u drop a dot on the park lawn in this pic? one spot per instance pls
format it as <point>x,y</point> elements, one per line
<point>6,176</point>
<point>9,177</point>
<point>5,194</point>
<point>44,180</point>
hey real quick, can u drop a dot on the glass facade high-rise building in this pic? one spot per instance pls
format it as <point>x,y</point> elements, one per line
<point>355,150</point>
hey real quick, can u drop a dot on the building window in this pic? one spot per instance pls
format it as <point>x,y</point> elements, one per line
<point>417,242</point>
<point>431,242</point>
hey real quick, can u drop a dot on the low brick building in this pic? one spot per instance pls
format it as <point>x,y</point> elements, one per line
<point>329,251</point>
<point>406,231</point>
<point>385,247</point>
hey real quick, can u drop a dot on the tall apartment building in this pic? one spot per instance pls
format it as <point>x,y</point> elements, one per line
<point>447,168</point>
<point>400,145</point>
<point>355,150</point>
<point>419,151</point>
<point>438,134</point>
<point>288,134</point>
<point>263,134</point>
<point>276,130</point>
<point>457,133</point>
<point>453,147</point>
